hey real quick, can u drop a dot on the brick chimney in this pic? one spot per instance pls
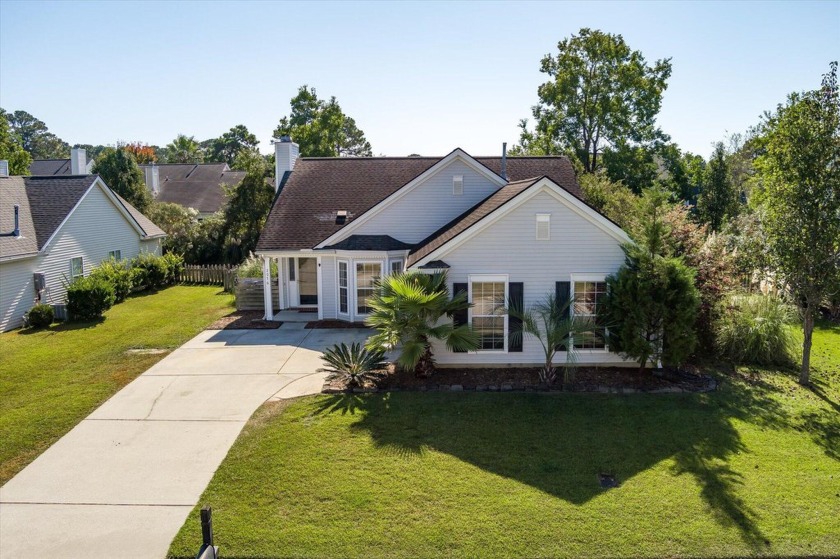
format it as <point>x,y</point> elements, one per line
<point>285,154</point>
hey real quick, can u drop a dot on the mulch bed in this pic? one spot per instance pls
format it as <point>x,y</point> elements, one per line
<point>619,380</point>
<point>325,324</point>
<point>244,320</point>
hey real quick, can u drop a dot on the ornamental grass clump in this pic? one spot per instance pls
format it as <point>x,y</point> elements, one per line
<point>355,366</point>
<point>755,329</point>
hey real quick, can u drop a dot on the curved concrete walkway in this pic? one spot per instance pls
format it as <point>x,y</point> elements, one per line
<point>122,482</point>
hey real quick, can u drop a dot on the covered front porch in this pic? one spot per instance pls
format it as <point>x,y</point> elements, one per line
<point>298,281</point>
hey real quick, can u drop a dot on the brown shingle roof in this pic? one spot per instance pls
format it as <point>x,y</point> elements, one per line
<point>469,218</point>
<point>304,213</point>
<point>196,186</point>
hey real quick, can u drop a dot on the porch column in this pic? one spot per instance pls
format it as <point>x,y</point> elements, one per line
<point>280,275</point>
<point>267,303</point>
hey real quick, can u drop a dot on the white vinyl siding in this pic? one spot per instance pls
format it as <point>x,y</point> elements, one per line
<point>577,246</point>
<point>430,205</point>
<point>91,233</point>
<point>326,290</point>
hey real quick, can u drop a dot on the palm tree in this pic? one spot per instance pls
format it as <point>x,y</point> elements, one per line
<point>407,310</point>
<point>549,321</point>
<point>184,149</point>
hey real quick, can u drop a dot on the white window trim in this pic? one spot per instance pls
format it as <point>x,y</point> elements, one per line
<point>575,278</point>
<point>457,180</point>
<point>338,288</point>
<point>542,218</point>
<point>82,274</point>
<point>488,278</point>
<point>393,261</point>
<point>355,307</point>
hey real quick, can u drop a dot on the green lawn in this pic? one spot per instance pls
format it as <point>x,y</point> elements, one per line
<point>51,379</point>
<point>752,469</point>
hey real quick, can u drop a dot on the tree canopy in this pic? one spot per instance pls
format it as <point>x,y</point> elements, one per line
<point>226,147</point>
<point>118,168</point>
<point>11,149</point>
<point>36,138</point>
<point>600,93</point>
<point>321,128</point>
<point>799,173</point>
<point>184,149</point>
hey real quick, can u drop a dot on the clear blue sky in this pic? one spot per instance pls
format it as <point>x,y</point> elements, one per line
<point>417,77</point>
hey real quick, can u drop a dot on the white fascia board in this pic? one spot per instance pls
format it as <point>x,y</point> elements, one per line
<point>543,185</point>
<point>458,154</point>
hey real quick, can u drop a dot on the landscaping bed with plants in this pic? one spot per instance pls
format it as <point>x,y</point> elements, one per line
<point>621,380</point>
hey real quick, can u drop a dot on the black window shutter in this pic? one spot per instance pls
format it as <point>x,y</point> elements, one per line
<point>459,318</point>
<point>563,292</point>
<point>516,297</point>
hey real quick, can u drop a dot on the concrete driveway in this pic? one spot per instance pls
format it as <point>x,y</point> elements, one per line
<point>122,482</point>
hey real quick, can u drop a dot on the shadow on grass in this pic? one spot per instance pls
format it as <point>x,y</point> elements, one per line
<point>560,443</point>
<point>64,326</point>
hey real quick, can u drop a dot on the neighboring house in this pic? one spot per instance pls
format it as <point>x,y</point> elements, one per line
<point>78,164</point>
<point>68,225</point>
<point>503,228</point>
<point>192,185</point>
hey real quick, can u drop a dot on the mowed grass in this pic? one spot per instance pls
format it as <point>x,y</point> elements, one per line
<point>751,469</point>
<point>51,379</point>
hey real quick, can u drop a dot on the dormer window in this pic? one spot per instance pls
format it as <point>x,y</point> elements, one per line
<point>457,185</point>
<point>543,227</point>
<point>341,217</point>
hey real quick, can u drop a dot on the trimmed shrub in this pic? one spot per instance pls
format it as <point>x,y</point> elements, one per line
<point>155,268</point>
<point>754,329</point>
<point>89,297</point>
<point>118,274</point>
<point>40,316</point>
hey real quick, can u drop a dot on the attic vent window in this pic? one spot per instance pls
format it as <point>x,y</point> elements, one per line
<point>543,227</point>
<point>341,217</point>
<point>457,185</point>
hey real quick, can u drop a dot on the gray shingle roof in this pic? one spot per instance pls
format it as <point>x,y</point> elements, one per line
<point>370,242</point>
<point>52,167</point>
<point>45,202</point>
<point>304,213</point>
<point>196,186</point>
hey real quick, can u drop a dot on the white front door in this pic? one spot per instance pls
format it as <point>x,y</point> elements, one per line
<point>303,282</point>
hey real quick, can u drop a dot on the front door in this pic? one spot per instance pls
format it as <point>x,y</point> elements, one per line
<point>303,282</point>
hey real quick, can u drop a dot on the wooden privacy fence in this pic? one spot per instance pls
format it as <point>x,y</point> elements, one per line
<point>217,274</point>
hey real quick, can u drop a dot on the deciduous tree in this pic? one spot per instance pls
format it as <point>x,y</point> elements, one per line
<point>11,150</point>
<point>718,201</point>
<point>800,178</point>
<point>119,170</point>
<point>36,138</point>
<point>321,128</point>
<point>600,93</point>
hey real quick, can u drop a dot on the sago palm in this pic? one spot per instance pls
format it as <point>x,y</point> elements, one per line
<point>353,365</point>
<point>408,312</point>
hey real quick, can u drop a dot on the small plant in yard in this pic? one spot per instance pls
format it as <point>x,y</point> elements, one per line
<point>40,316</point>
<point>354,365</point>
<point>755,329</point>
<point>549,321</point>
<point>407,310</point>
<point>89,297</point>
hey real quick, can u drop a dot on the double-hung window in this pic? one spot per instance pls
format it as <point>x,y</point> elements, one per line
<point>588,295</point>
<point>366,275</point>
<point>115,254</point>
<point>488,317</point>
<point>343,288</point>
<point>396,266</point>
<point>77,268</point>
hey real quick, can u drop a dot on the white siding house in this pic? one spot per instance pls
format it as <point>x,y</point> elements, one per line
<point>502,228</point>
<point>68,226</point>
